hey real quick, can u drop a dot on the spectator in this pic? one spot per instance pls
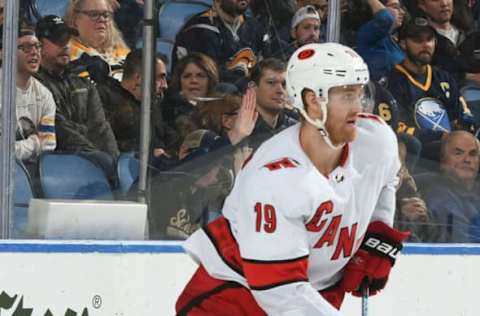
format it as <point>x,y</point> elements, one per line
<point>412,213</point>
<point>195,76</point>
<point>35,104</point>
<point>183,201</point>
<point>99,50</point>
<point>80,121</point>
<point>454,198</point>
<point>305,27</point>
<point>375,39</point>
<point>129,17</point>
<point>428,98</point>
<point>275,16</point>
<point>122,102</point>
<point>231,117</point>
<point>452,22</point>
<point>470,86</point>
<point>268,80</point>
<point>322,8</point>
<point>225,34</point>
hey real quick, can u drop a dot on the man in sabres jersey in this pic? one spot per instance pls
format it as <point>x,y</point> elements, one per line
<point>310,215</point>
<point>428,97</point>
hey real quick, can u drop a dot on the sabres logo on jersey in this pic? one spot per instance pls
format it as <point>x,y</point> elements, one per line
<point>283,163</point>
<point>430,114</point>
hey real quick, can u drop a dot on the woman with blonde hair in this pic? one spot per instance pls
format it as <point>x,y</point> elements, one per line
<point>99,50</point>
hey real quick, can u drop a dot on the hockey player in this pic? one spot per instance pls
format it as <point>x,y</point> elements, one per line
<point>310,215</point>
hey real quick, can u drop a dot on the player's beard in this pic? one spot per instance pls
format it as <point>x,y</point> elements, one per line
<point>230,7</point>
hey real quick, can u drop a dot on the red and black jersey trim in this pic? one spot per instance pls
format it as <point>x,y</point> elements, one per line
<point>264,275</point>
<point>220,234</point>
<point>197,301</point>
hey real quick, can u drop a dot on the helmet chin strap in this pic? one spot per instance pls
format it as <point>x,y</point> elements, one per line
<point>320,124</point>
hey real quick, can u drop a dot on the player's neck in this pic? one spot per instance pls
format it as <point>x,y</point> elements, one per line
<point>324,157</point>
<point>414,68</point>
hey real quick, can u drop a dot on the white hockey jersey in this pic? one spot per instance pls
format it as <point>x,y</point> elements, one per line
<point>288,231</point>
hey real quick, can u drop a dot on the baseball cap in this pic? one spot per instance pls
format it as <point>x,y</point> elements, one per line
<point>470,52</point>
<point>416,26</point>
<point>306,12</point>
<point>53,27</point>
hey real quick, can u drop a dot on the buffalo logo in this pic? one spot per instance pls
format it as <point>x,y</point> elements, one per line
<point>430,114</point>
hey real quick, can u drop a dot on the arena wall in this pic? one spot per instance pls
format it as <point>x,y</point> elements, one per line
<point>143,279</point>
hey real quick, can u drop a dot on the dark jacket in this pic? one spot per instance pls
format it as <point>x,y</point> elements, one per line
<point>123,112</point>
<point>262,131</point>
<point>207,33</point>
<point>408,88</point>
<point>80,120</point>
<point>454,209</point>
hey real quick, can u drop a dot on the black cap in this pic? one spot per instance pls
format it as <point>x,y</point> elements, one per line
<point>470,52</point>
<point>415,27</point>
<point>53,27</point>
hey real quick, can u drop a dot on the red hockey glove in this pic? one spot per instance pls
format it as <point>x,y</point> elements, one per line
<point>374,259</point>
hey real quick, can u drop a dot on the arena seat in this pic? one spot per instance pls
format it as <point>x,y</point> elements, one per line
<point>71,176</point>
<point>174,14</point>
<point>56,7</point>
<point>127,170</point>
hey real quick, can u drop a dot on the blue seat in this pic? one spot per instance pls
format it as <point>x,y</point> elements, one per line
<point>56,7</point>
<point>70,176</point>
<point>23,195</point>
<point>174,14</point>
<point>165,47</point>
<point>127,168</point>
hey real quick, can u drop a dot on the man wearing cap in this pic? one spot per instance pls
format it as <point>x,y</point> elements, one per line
<point>35,105</point>
<point>305,26</point>
<point>305,29</point>
<point>428,98</point>
<point>80,119</point>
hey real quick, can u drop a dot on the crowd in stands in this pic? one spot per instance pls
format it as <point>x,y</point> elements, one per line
<point>79,89</point>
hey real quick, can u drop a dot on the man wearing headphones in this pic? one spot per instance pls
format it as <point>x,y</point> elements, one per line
<point>310,215</point>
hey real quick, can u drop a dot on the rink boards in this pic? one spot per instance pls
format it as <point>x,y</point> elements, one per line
<point>143,279</point>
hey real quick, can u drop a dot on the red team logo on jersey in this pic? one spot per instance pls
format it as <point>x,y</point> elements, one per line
<point>283,163</point>
<point>343,237</point>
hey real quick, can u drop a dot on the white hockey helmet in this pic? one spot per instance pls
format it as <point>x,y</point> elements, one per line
<point>319,67</point>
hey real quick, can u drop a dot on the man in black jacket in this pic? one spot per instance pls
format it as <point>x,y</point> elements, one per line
<point>225,34</point>
<point>80,120</point>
